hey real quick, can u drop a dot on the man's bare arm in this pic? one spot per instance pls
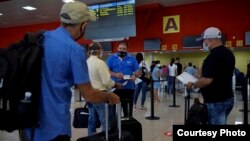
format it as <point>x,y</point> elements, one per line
<point>96,96</point>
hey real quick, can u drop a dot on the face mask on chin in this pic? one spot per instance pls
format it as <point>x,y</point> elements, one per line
<point>122,53</point>
<point>205,46</point>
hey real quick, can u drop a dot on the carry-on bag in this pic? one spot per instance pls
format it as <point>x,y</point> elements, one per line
<point>80,119</point>
<point>110,134</point>
<point>132,125</point>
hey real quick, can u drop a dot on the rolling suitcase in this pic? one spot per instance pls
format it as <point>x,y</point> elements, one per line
<point>110,134</point>
<point>133,126</point>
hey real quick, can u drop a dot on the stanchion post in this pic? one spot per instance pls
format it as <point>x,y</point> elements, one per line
<point>152,116</point>
<point>174,105</point>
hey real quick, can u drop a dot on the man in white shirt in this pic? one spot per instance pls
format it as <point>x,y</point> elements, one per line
<point>100,79</point>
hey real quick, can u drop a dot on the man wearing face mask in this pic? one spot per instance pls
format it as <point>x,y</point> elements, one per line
<point>100,79</point>
<point>216,79</point>
<point>124,69</point>
<point>63,66</point>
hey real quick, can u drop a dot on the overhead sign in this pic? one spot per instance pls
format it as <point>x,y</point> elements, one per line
<point>171,24</point>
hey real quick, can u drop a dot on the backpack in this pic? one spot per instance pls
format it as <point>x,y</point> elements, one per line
<point>20,83</point>
<point>164,72</point>
<point>198,114</point>
<point>145,75</point>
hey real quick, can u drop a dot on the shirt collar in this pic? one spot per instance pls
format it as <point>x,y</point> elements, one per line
<point>64,31</point>
<point>93,56</point>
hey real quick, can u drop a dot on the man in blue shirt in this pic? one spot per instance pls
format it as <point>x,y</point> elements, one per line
<point>190,69</point>
<point>124,67</point>
<point>63,66</point>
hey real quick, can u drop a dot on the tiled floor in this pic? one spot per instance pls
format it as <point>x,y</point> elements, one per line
<point>153,130</point>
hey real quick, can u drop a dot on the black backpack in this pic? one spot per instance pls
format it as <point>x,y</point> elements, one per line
<point>198,114</point>
<point>20,83</point>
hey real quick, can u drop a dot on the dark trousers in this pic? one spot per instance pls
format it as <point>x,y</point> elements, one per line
<point>62,138</point>
<point>126,97</point>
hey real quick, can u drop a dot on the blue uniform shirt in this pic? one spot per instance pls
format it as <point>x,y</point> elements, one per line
<point>127,66</point>
<point>63,65</point>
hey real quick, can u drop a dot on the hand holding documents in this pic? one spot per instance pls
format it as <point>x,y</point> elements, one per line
<point>186,77</point>
<point>138,80</point>
<point>126,77</point>
<point>123,84</point>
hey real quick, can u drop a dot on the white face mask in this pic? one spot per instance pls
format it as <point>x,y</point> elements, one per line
<point>158,65</point>
<point>100,56</point>
<point>206,46</point>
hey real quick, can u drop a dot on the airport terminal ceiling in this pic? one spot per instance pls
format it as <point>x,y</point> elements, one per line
<point>12,14</point>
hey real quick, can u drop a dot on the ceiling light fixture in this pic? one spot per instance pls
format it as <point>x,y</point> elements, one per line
<point>1,14</point>
<point>67,1</point>
<point>29,8</point>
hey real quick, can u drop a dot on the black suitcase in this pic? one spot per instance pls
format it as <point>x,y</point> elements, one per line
<point>110,134</point>
<point>133,126</point>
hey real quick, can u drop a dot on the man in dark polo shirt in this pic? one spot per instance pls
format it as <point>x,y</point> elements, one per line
<point>216,80</point>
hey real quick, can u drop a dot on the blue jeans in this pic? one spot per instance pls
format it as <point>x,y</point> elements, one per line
<point>218,112</point>
<point>171,84</point>
<point>97,112</point>
<point>140,87</point>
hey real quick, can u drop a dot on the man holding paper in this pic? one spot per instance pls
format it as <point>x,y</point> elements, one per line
<point>216,80</point>
<point>124,67</point>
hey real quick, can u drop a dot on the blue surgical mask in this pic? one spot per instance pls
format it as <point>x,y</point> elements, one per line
<point>206,46</point>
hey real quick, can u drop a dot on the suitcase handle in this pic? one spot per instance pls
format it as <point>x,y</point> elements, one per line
<point>118,116</point>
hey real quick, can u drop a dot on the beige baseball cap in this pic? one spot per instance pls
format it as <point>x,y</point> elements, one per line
<point>75,13</point>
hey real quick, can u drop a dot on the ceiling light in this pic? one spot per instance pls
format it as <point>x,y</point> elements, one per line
<point>66,1</point>
<point>29,8</point>
<point>1,14</point>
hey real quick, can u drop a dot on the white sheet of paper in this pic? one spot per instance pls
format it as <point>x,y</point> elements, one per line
<point>126,77</point>
<point>186,77</point>
<point>123,84</point>
<point>137,80</point>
